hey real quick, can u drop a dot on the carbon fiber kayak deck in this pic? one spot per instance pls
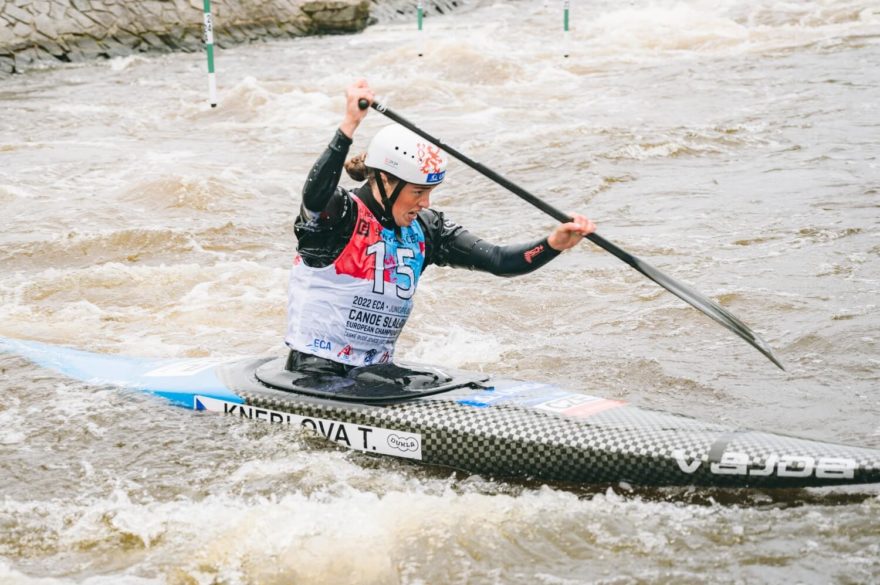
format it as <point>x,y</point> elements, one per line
<point>512,428</point>
<point>500,427</point>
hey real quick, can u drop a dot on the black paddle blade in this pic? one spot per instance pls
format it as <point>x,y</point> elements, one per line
<point>704,304</point>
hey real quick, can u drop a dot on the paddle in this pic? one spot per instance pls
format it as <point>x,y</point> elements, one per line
<point>682,291</point>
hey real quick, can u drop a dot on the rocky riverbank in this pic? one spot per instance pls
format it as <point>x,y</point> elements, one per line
<point>34,33</point>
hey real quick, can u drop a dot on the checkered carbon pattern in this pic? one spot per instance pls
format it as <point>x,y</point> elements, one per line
<point>621,444</point>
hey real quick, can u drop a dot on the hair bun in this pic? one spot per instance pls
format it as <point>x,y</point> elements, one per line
<point>356,167</point>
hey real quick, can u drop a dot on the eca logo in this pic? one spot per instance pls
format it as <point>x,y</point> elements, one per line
<point>321,344</point>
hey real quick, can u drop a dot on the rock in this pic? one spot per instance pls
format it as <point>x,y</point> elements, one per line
<point>7,36</point>
<point>335,16</point>
<point>299,25</point>
<point>106,22</point>
<point>189,15</point>
<point>169,14</point>
<point>169,41</point>
<point>120,15</point>
<point>152,6</point>
<point>44,25</point>
<point>88,48</point>
<point>190,44</point>
<point>85,23</point>
<point>58,7</point>
<point>66,26</point>
<point>127,39</point>
<point>78,30</point>
<point>53,48</point>
<point>31,56</point>
<point>22,31</point>
<point>153,40</point>
<point>7,64</point>
<point>18,14</point>
<point>235,34</point>
<point>132,27</point>
<point>256,32</point>
<point>115,48</point>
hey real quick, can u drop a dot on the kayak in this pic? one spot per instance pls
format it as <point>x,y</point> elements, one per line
<point>475,423</point>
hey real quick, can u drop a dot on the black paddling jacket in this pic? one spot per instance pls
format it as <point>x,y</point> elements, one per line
<point>327,215</point>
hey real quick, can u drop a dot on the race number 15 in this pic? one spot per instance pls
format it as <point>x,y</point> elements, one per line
<point>377,250</point>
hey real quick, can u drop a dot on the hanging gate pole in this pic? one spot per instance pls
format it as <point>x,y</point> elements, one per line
<point>209,48</point>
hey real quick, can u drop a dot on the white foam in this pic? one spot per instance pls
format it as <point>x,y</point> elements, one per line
<point>9,576</point>
<point>664,27</point>
<point>17,191</point>
<point>123,63</point>
<point>451,345</point>
<point>11,432</point>
<point>350,535</point>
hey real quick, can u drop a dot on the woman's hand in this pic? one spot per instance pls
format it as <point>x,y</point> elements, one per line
<point>567,235</point>
<point>358,90</point>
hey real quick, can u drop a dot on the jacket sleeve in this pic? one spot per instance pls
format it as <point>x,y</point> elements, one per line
<point>322,198</point>
<point>326,217</point>
<point>449,244</point>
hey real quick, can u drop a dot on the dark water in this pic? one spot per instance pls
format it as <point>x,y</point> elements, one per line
<point>733,145</point>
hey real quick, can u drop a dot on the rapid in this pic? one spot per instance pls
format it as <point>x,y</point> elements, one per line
<point>732,144</point>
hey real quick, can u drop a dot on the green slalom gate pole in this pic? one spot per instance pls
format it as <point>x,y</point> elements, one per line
<point>565,33</point>
<point>209,48</point>
<point>420,12</point>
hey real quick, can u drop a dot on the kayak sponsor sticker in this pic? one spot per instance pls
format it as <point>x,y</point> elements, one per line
<point>352,435</point>
<point>525,394</point>
<point>579,405</point>
<point>542,397</point>
<point>736,463</point>
<point>404,443</point>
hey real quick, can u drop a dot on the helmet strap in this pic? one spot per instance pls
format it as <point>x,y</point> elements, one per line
<point>388,202</point>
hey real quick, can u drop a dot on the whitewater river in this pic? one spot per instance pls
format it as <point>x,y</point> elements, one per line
<point>732,144</point>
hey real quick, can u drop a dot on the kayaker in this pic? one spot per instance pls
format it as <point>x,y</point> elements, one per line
<point>361,252</point>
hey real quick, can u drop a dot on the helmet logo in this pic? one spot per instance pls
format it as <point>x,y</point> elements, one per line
<point>432,178</point>
<point>429,156</point>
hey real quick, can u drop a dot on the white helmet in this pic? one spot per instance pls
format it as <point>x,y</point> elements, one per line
<point>407,156</point>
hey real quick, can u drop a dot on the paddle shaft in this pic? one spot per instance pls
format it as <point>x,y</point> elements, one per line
<point>550,210</point>
<point>684,292</point>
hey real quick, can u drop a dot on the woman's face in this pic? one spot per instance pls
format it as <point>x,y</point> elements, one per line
<point>412,199</point>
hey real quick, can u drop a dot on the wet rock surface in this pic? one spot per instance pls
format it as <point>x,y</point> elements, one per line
<point>44,32</point>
